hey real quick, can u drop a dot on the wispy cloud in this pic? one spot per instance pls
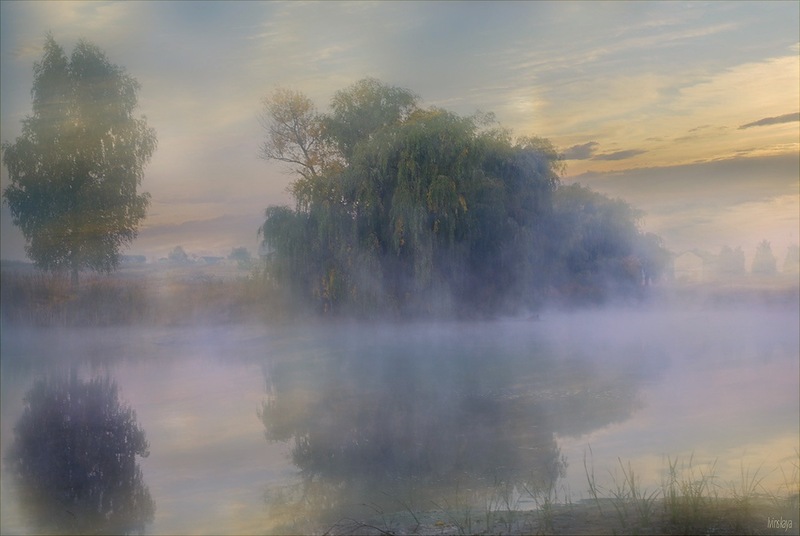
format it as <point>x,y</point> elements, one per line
<point>702,132</point>
<point>30,49</point>
<point>759,86</point>
<point>738,200</point>
<point>584,151</point>
<point>619,155</point>
<point>785,118</point>
<point>716,183</point>
<point>215,235</point>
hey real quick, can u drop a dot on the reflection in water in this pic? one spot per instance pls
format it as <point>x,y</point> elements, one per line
<point>409,413</point>
<point>421,418</point>
<point>73,459</point>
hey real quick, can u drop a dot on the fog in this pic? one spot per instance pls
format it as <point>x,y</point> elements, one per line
<point>333,426</point>
<point>346,285</point>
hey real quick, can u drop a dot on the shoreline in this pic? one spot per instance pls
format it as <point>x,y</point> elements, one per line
<point>605,516</point>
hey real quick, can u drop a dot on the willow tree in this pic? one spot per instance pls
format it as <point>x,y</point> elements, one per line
<point>425,212</point>
<point>599,251</point>
<point>76,169</point>
<point>413,210</point>
<point>364,109</point>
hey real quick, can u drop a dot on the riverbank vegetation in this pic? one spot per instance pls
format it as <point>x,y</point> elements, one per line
<point>147,296</point>
<point>690,499</point>
<point>153,294</point>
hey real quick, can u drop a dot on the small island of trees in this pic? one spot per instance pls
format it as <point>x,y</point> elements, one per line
<point>403,209</point>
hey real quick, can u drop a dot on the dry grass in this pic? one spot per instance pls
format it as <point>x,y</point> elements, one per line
<point>135,298</point>
<point>690,500</point>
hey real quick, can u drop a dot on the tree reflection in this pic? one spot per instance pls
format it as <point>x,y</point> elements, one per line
<point>370,428</point>
<point>74,459</point>
<point>415,415</point>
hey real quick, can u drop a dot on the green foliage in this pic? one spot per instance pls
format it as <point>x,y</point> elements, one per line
<point>75,170</point>
<point>428,212</point>
<point>363,109</point>
<point>764,262</point>
<point>731,261</point>
<point>598,248</point>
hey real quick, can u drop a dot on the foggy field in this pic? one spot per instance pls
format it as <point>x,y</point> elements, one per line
<point>676,414</point>
<point>141,295</point>
<point>153,294</point>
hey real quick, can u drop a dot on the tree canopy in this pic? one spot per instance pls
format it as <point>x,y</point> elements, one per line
<point>764,261</point>
<point>420,210</point>
<point>76,168</point>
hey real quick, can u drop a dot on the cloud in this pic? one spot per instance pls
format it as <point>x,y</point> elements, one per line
<point>619,155</point>
<point>736,201</point>
<point>785,118</point>
<point>703,132</point>
<point>97,21</point>
<point>583,151</point>
<point>717,182</point>
<point>212,236</point>
<point>670,103</point>
<point>756,87</point>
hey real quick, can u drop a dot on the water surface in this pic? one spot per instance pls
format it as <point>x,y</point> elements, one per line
<point>281,428</point>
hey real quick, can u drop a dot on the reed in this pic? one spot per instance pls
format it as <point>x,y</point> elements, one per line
<point>689,494</point>
<point>49,300</point>
<point>635,506</point>
<point>690,500</point>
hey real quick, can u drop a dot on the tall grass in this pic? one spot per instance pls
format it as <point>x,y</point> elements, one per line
<point>689,500</point>
<point>785,501</point>
<point>689,495</point>
<point>44,299</point>
<point>635,506</point>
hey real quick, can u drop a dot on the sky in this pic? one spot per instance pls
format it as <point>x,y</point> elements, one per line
<point>690,111</point>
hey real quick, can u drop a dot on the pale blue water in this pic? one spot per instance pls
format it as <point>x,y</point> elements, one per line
<point>358,413</point>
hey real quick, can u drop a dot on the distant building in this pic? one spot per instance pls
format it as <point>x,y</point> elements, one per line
<point>691,267</point>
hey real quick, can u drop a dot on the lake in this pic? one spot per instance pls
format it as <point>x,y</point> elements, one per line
<point>255,429</point>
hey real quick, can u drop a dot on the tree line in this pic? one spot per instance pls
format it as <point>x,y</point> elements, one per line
<point>730,262</point>
<point>399,208</point>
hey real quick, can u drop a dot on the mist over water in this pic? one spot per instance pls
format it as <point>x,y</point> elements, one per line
<point>286,428</point>
<point>449,323</point>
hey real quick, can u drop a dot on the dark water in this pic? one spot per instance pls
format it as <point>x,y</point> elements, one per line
<point>260,429</point>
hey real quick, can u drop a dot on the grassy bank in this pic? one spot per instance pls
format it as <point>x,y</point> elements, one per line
<point>136,297</point>
<point>690,499</point>
<point>155,294</point>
